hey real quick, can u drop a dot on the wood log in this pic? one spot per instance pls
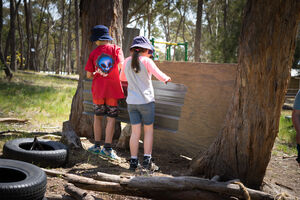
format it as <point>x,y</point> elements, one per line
<point>78,193</point>
<point>190,183</point>
<point>107,177</point>
<point>156,187</point>
<point>123,142</point>
<point>69,137</point>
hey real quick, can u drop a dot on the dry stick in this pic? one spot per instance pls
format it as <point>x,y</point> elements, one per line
<point>28,132</point>
<point>13,120</point>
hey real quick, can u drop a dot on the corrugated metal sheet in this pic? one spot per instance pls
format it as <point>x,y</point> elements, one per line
<point>169,98</point>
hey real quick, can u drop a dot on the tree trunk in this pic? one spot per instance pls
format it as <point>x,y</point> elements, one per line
<point>3,60</point>
<point>90,16</point>
<point>68,60</point>
<point>12,36</point>
<point>267,43</point>
<point>77,36</point>
<point>38,36</point>
<point>225,34</point>
<point>21,35</point>
<point>45,64</point>
<point>125,13</point>
<point>30,37</point>
<point>197,44</point>
<point>58,65</point>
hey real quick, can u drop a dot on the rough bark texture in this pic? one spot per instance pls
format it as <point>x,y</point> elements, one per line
<point>197,46</point>
<point>90,16</point>
<point>267,43</point>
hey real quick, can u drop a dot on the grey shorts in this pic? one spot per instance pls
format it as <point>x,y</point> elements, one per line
<point>141,113</point>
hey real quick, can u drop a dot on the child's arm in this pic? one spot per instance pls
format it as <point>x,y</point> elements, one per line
<point>89,75</point>
<point>152,68</point>
<point>89,68</point>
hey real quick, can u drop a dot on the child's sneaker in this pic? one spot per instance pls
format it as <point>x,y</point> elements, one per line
<point>134,163</point>
<point>111,154</point>
<point>95,149</point>
<point>149,164</point>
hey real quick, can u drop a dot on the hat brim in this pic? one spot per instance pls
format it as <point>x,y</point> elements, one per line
<point>144,46</point>
<point>93,38</point>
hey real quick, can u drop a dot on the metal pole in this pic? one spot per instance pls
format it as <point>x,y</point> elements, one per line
<point>186,51</point>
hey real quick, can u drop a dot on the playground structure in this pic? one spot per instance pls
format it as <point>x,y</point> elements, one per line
<point>168,47</point>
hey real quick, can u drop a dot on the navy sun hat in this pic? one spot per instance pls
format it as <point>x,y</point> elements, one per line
<point>100,32</point>
<point>141,41</point>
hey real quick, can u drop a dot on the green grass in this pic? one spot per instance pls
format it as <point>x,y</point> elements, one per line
<point>44,100</point>
<point>286,139</point>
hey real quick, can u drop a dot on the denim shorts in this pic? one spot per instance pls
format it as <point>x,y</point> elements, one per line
<point>141,113</point>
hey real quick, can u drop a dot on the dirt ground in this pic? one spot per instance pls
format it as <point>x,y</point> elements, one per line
<point>282,175</point>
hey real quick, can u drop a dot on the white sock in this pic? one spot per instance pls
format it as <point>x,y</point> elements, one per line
<point>148,155</point>
<point>133,157</point>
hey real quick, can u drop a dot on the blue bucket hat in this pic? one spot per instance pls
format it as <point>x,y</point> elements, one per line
<point>100,32</point>
<point>141,41</point>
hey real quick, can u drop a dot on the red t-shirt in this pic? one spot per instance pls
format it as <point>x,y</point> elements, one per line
<point>105,60</point>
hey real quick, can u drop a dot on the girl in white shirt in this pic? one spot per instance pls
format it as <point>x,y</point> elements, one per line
<point>137,71</point>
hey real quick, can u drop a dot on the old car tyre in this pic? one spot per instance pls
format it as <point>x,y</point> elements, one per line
<point>21,181</point>
<point>54,154</point>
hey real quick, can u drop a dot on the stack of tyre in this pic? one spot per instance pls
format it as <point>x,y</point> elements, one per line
<point>21,177</point>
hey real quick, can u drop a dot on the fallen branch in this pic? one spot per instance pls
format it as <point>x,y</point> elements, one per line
<point>78,193</point>
<point>13,120</point>
<point>28,132</point>
<point>153,186</point>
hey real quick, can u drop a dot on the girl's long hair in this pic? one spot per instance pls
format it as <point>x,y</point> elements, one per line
<point>135,65</point>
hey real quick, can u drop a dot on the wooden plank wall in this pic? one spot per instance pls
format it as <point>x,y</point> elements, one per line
<point>209,92</point>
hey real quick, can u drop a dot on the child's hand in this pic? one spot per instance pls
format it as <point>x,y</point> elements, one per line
<point>169,80</point>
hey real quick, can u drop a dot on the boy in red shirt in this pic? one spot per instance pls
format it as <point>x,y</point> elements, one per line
<point>103,67</point>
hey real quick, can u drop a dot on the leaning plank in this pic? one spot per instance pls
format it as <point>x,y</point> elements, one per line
<point>78,193</point>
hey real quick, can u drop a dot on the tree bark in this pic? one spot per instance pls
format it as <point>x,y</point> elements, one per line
<point>78,193</point>
<point>243,148</point>
<point>90,16</point>
<point>38,35</point>
<point>21,35</point>
<point>3,60</point>
<point>45,64</point>
<point>30,38</point>
<point>197,44</point>
<point>58,65</point>
<point>77,35</point>
<point>125,13</point>
<point>12,36</point>
<point>69,50</point>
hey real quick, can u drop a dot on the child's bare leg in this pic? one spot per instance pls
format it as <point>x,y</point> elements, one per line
<point>97,127</point>
<point>134,139</point>
<point>148,139</point>
<point>109,130</point>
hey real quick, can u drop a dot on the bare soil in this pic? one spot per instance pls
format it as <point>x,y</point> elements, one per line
<point>282,175</point>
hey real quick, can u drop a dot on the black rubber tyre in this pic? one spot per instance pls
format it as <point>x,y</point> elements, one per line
<point>21,181</point>
<point>55,154</point>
